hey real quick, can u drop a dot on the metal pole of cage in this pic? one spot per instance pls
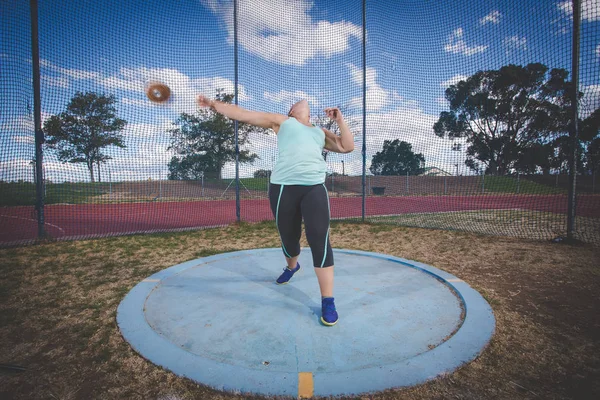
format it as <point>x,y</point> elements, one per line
<point>37,117</point>
<point>574,134</point>
<point>237,147</point>
<point>364,88</point>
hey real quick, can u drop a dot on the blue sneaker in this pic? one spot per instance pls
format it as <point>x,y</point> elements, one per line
<point>329,316</point>
<point>287,274</point>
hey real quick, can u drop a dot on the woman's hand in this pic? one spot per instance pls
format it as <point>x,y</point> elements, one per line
<point>204,101</point>
<point>335,114</point>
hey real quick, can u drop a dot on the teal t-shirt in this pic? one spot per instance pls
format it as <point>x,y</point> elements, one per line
<point>300,155</point>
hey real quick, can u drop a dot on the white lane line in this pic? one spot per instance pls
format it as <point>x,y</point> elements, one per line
<point>34,220</point>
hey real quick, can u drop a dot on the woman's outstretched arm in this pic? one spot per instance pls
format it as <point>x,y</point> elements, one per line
<point>257,118</point>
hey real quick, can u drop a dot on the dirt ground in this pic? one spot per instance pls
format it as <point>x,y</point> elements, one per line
<point>58,306</point>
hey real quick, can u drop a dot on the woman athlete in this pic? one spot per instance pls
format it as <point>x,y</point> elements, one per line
<point>297,189</point>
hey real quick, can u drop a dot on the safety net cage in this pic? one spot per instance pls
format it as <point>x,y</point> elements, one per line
<point>466,115</point>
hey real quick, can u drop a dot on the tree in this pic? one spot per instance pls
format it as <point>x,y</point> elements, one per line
<point>592,156</point>
<point>88,125</point>
<point>534,157</point>
<point>397,158</point>
<point>508,115</point>
<point>205,141</point>
<point>590,132</point>
<point>262,173</point>
<point>590,127</point>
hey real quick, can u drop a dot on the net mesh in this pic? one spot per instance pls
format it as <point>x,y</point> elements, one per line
<point>17,144</point>
<point>467,113</point>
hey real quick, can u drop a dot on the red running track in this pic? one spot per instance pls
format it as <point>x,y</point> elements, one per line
<point>19,224</point>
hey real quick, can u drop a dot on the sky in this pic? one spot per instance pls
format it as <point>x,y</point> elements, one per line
<point>287,50</point>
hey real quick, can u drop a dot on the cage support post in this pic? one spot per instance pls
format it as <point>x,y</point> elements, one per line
<point>237,147</point>
<point>364,88</point>
<point>40,185</point>
<point>574,134</point>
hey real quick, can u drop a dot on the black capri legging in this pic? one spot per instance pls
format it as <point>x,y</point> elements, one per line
<point>291,203</point>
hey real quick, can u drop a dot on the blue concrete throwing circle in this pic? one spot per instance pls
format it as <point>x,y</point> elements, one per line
<point>223,322</point>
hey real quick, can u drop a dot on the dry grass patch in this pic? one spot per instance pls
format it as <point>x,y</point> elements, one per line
<point>525,224</point>
<point>58,306</point>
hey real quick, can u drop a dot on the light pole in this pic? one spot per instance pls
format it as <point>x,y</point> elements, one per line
<point>456,147</point>
<point>343,170</point>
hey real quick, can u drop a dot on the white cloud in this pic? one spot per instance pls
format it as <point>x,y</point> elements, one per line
<point>146,156</point>
<point>491,18</point>
<point>134,102</point>
<point>591,95</point>
<point>287,34</point>
<point>377,96</point>
<point>589,9</point>
<point>151,160</point>
<point>183,88</point>
<point>17,123</point>
<point>71,73</point>
<point>412,125</point>
<point>515,43</point>
<point>118,169</point>
<point>118,83</point>
<point>209,86</point>
<point>457,45</point>
<point>145,131</point>
<point>56,171</point>
<point>20,123</point>
<point>454,80</point>
<point>57,81</point>
<point>590,101</point>
<point>442,101</point>
<point>288,98</point>
<point>17,169</point>
<point>23,139</point>
<point>566,7</point>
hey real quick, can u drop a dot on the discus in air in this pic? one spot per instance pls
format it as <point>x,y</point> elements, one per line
<point>158,92</point>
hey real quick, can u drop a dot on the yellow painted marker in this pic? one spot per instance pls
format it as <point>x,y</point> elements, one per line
<point>306,387</point>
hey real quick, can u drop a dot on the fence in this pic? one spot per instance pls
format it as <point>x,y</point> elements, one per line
<point>462,113</point>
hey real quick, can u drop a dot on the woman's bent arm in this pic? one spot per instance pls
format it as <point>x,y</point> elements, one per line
<point>339,144</point>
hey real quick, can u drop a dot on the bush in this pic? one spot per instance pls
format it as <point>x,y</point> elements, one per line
<point>262,173</point>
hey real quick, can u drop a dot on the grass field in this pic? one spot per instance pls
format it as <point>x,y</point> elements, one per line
<point>24,193</point>
<point>526,224</point>
<point>58,306</point>
<point>261,184</point>
<point>503,184</point>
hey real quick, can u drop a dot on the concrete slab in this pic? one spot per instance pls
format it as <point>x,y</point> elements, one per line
<point>222,321</point>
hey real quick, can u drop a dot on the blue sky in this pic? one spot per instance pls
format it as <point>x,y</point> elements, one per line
<point>287,51</point>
